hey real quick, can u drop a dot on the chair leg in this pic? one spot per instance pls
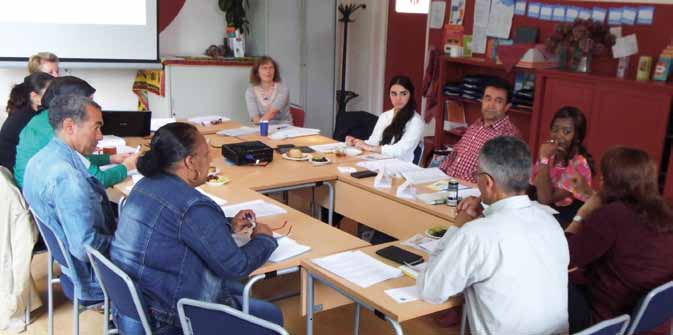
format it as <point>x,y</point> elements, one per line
<point>106,315</point>
<point>50,293</point>
<point>75,313</point>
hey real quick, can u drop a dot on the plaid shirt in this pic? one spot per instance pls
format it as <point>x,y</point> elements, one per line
<point>463,162</point>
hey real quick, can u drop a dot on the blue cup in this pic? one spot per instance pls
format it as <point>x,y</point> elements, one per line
<point>264,128</point>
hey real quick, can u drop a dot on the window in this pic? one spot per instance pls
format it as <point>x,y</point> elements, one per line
<point>412,6</point>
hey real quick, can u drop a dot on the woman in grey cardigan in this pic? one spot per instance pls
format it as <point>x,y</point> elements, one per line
<point>267,97</point>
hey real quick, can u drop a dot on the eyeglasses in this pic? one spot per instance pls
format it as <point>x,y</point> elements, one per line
<point>279,236</point>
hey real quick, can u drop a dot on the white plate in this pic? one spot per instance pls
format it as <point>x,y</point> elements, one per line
<point>304,157</point>
<point>321,163</point>
<point>352,151</point>
<point>427,233</point>
<point>221,182</point>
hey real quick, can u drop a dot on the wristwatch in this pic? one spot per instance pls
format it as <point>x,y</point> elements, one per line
<point>544,161</point>
<point>578,218</point>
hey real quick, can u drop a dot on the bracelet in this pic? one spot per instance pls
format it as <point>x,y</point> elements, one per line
<point>544,161</point>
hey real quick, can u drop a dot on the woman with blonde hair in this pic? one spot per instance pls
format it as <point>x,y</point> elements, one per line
<point>45,62</point>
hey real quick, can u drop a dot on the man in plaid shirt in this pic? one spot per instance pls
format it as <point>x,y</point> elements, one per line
<point>463,162</point>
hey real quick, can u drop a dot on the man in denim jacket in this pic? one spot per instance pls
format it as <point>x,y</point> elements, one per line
<point>65,195</point>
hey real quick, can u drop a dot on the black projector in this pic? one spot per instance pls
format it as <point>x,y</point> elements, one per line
<point>245,153</point>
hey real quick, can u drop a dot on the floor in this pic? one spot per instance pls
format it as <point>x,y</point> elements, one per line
<point>337,321</point>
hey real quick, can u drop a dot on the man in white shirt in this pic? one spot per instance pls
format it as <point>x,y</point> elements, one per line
<point>510,264</point>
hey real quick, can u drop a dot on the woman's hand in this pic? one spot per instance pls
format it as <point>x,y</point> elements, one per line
<point>351,141</point>
<point>256,119</point>
<point>118,158</point>
<point>590,206</point>
<point>243,220</point>
<point>547,149</point>
<point>581,186</point>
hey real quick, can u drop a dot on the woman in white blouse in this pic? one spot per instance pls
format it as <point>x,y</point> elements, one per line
<point>267,98</point>
<point>398,131</point>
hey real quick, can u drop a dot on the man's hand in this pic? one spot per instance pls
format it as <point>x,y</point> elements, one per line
<point>470,206</point>
<point>131,161</point>
<point>118,158</point>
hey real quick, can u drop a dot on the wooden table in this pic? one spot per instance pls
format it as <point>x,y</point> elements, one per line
<point>374,297</point>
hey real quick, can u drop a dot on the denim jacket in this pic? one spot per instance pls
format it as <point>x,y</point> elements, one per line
<point>175,243</point>
<point>62,192</point>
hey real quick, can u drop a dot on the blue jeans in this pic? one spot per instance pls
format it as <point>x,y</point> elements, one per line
<point>259,308</point>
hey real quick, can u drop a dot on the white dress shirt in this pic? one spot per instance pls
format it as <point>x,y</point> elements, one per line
<point>403,148</point>
<point>512,266</point>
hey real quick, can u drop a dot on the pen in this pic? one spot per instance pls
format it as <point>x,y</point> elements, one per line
<point>252,222</point>
<point>137,149</point>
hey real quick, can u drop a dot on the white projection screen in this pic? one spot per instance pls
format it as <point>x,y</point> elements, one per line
<point>107,31</point>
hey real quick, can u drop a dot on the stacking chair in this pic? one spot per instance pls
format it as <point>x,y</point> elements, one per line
<point>205,318</point>
<point>58,252</point>
<point>298,115</point>
<point>118,289</point>
<point>418,154</point>
<point>653,310</point>
<point>615,326</point>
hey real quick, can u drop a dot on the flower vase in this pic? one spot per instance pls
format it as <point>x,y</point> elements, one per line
<point>581,62</point>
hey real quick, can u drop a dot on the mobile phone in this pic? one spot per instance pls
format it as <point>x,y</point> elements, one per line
<point>399,255</point>
<point>363,174</point>
<point>284,148</point>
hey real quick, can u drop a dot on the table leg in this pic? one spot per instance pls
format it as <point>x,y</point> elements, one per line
<point>330,212</point>
<point>309,303</point>
<point>396,326</point>
<point>357,319</point>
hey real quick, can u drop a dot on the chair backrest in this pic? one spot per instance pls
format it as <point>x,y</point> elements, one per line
<point>653,310</point>
<point>298,115</point>
<point>615,326</point>
<point>418,154</point>
<point>118,288</point>
<point>56,248</point>
<point>204,318</point>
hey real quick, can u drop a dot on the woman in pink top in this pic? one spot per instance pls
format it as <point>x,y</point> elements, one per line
<point>562,174</point>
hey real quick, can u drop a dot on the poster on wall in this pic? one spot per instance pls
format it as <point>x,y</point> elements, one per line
<point>412,6</point>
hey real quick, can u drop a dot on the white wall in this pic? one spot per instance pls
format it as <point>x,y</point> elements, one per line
<point>365,69</point>
<point>199,24</point>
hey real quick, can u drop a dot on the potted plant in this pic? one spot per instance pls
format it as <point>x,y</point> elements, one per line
<point>576,42</point>
<point>237,24</point>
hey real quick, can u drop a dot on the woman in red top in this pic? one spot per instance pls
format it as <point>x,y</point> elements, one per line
<point>620,240</point>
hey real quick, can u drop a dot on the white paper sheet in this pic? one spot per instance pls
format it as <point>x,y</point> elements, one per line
<point>241,131</point>
<point>292,132</point>
<point>500,19</point>
<point>403,294</point>
<point>469,192</point>
<point>111,141</point>
<point>482,9</point>
<point>208,119</point>
<point>219,201</point>
<point>625,46</point>
<point>157,123</point>
<point>422,242</point>
<point>392,166</point>
<point>287,248</point>
<point>423,176</point>
<point>437,10</point>
<point>260,207</point>
<point>358,268</point>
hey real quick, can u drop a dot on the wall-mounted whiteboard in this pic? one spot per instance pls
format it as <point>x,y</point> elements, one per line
<point>80,30</point>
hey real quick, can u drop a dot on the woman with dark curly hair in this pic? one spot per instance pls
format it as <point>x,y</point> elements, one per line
<point>620,240</point>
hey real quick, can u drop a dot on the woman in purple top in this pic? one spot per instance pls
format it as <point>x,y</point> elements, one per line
<point>620,241</point>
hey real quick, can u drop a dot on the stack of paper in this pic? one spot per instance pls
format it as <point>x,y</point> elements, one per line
<point>392,166</point>
<point>358,268</point>
<point>422,242</point>
<point>242,131</point>
<point>287,248</point>
<point>328,148</point>
<point>260,207</point>
<point>219,201</point>
<point>422,176</point>
<point>208,120</point>
<point>291,132</point>
<point>155,124</point>
<point>111,141</point>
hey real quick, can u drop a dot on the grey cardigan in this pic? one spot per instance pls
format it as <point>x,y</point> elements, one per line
<point>281,101</point>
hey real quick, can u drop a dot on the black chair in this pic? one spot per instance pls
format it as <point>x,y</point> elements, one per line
<point>205,318</point>
<point>119,290</point>
<point>653,310</point>
<point>615,326</point>
<point>59,253</point>
<point>357,124</point>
